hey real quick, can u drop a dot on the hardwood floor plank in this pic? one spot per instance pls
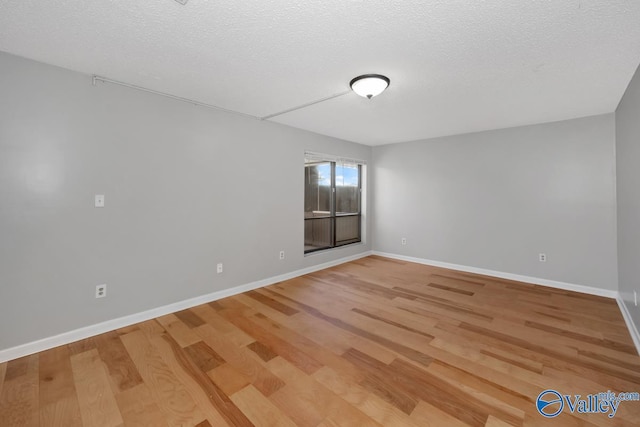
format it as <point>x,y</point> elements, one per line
<point>19,397</point>
<point>201,396</point>
<point>373,342</point>
<point>98,406</point>
<point>287,350</point>
<point>514,360</point>
<point>215,305</point>
<point>55,376</point>
<point>334,339</point>
<point>243,360</point>
<point>260,410</point>
<point>320,353</point>
<point>626,347</point>
<point>81,346</point>
<point>503,403</point>
<point>170,394</point>
<point>240,338</point>
<point>178,330</point>
<point>16,368</point>
<point>496,422</point>
<point>397,347</point>
<point>204,356</point>
<point>272,303</point>
<point>229,379</point>
<point>127,329</point>
<point>377,382</point>
<point>611,370</point>
<point>632,365</point>
<point>436,392</point>
<point>379,411</point>
<point>451,278</point>
<point>213,319</point>
<point>522,381</point>
<point>122,371</point>
<point>62,412</point>
<point>303,408</point>
<point>502,375</point>
<point>451,289</point>
<point>306,401</point>
<point>426,414</point>
<point>189,318</point>
<point>161,342</point>
<point>392,323</point>
<point>3,370</point>
<point>264,310</point>
<point>149,328</point>
<point>354,284</point>
<point>220,400</point>
<point>139,408</point>
<point>58,399</point>
<point>18,402</point>
<point>262,350</point>
<point>203,311</point>
<point>454,308</point>
<point>351,392</point>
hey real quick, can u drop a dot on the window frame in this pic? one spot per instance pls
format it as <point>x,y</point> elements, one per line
<point>334,216</point>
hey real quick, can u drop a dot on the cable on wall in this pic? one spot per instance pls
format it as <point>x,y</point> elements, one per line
<point>96,79</point>
<point>308,104</point>
<point>167,95</point>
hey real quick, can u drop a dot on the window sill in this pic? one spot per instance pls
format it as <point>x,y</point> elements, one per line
<point>324,251</point>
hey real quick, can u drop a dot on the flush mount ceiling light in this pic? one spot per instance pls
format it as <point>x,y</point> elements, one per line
<point>369,85</point>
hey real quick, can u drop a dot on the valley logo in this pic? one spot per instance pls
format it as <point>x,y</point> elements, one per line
<point>550,403</point>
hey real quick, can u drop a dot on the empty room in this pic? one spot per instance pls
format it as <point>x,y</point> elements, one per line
<point>319,213</point>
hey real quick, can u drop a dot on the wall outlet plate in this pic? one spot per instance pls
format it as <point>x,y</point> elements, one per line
<point>219,268</point>
<point>404,241</point>
<point>101,290</point>
<point>281,255</point>
<point>542,257</point>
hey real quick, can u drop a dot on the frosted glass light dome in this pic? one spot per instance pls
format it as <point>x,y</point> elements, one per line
<point>369,85</point>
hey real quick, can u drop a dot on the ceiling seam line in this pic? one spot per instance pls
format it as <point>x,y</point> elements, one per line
<point>96,78</point>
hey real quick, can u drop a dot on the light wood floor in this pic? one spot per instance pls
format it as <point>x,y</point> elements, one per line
<point>375,342</point>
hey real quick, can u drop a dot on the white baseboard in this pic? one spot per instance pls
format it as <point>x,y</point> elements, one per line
<point>509,276</point>
<point>110,325</point>
<point>633,330</point>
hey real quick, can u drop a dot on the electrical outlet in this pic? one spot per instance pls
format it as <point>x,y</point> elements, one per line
<point>101,291</point>
<point>542,257</point>
<point>99,201</point>
<point>281,255</point>
<point>404,241</point>
<point>635,298</point>
<point>219,268</point>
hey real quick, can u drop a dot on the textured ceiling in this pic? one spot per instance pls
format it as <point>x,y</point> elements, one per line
<point>455,66</point>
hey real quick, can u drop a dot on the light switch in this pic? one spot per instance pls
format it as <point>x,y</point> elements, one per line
<point>99,200</point>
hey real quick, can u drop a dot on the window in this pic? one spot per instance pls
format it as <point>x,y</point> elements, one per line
<point>332,202</point>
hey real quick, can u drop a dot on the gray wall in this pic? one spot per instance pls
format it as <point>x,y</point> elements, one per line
<point>628,186</point>
<point>186,187</point>
<point>496,199</point>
